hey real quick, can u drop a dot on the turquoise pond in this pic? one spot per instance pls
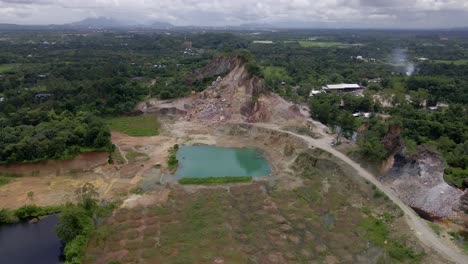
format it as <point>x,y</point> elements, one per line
<point>210,161</point>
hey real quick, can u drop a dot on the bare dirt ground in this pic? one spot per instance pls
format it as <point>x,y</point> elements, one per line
<point>56,182</point>
<point>81,163</point>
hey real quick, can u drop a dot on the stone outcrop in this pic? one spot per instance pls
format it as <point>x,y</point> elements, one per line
<point>219,66</point>
<point>464,202</point>
<point>393,141</point>
<point>419,182</point>
<point>235,95</point>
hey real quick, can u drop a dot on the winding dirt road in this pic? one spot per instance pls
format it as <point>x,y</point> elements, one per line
<point>422,230</point>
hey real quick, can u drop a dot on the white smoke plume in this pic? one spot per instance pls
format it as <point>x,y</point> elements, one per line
<point>400,58</point>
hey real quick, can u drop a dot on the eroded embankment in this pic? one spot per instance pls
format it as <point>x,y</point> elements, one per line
<point>81,163</point>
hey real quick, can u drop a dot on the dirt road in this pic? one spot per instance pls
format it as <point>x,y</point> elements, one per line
<point>422,230</point>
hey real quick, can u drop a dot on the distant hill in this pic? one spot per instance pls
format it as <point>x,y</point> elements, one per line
<point>9,26</point>
<point>98,22</point>
<point>21,27</point>
<point>160,25</point>
<point>256,26</point>
<point>104,22</point>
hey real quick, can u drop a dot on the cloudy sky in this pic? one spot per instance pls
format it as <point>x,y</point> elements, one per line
<point>297,13</point>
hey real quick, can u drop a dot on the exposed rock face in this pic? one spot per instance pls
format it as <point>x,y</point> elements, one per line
<point>393,141</point>
<point>237,97</point>
<point>419,183</point>
<point>464,202</point>
<point>217,67</point>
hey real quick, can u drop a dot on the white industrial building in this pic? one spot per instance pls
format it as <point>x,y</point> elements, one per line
<point>341,87</point>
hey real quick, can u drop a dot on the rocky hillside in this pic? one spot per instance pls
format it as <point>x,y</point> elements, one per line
<point>419,182</point>
<point>419,179</point>
<point>235,96</point>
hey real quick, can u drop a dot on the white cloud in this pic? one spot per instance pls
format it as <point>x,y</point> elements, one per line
<point>344,13</point>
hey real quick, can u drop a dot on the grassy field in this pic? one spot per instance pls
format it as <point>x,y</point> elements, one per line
<point>456,62</point>
<point>6,67</point>
<point>322,44</point>
<point>136,126</point>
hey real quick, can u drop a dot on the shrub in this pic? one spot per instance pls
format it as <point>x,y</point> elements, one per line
<point>436,228</point>
<point>75,250</point>
<point>401,253</point>
<point>5,180</point>
<point>7,217</point>
<point>136,190</point>
<point>254,69</point>
<point>172,161</point>
<point>74,221</point>
<point>28,211</point>
<point>379,194</point>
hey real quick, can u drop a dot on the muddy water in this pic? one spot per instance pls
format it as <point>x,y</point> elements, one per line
<point>25,243</point>
<point>210,161</point>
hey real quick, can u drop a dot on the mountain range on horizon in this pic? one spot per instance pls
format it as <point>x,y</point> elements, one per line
<point>93,23</point>
<point>112,23</point>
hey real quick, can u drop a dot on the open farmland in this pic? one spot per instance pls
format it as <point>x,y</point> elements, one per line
<point>322,44</point>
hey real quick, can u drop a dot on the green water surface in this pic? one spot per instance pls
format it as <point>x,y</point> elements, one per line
<point>210,161</point>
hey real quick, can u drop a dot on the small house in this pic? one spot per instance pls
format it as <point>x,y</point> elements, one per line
<point>315,92</point>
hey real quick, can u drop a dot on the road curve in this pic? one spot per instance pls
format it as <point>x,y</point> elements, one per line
<point>422,230</point>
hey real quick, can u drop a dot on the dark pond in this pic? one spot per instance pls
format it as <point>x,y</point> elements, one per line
<point>25,243</point>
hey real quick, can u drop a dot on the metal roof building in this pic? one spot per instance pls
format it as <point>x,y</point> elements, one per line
<point>341,86</point>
